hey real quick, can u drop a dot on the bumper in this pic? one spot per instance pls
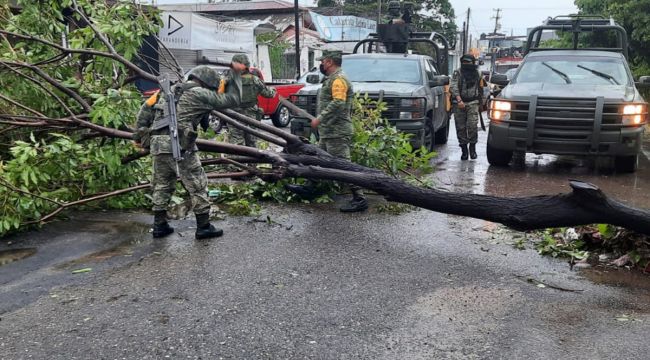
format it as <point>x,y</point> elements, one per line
<point>624,141</point>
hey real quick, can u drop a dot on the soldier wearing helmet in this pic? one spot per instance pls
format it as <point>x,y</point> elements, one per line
<point>467,89</point>
<point>195,99</point>
<point>252,86</point>
<point>395,12</point>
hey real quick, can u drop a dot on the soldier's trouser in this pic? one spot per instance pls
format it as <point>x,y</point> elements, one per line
<point>467,123</point>
<point>240,137</point>
<point>340,147</point>
<point>165,171</point>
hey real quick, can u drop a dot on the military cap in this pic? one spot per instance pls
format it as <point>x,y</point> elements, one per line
<point>468,58</point>
<point>330,54</point>
<point>242,59</point>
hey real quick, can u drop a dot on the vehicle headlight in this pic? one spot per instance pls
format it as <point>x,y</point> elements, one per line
<point>299,100</point>
<point>633,114</point>
<point>412,108</point>
<point>412,103</point>
<point>500,110</point>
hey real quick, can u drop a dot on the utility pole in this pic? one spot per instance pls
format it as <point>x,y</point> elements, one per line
<point>468,45</point>
<point>463,40</point>
<point>378,14</point>
<point>496,18</point>
<point>296,26</point>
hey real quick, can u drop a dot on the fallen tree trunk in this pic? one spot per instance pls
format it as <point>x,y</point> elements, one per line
<point>586,204</point>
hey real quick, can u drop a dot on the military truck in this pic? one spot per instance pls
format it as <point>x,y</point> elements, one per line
<point>570,101</point>
<point>413,86</point>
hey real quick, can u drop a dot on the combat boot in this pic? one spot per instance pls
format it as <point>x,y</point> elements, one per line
<point>357,204</point>
<point>465,154</point>
<point>472,151</point>
<point>205,230</point>
<point>161,227</point>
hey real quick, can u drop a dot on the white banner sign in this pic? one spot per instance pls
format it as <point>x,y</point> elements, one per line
<point>184,30</point>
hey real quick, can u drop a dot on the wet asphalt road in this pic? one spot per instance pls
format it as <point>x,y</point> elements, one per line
<point>324,285</point>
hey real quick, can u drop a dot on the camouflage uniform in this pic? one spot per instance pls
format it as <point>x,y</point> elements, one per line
<point>467,118</point>
<point>193,106</point>
<point>335,129</point>
<point>252,86</point>
<point>334,109</point>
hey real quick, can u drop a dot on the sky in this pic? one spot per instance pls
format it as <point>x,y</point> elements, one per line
<point>517,15</point>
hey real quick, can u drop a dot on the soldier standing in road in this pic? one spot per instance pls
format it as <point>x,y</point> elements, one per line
<point>334,123</point>
<point>195,100</point>
<point>252,86</point>
<point>467,89</point>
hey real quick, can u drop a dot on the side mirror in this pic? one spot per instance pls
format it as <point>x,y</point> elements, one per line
<point>439,80</point>
<point>500,79</point>
<point>313,79</point>
<point>644,80</point>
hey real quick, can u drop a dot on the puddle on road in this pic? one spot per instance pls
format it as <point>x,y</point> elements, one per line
<point>125,248</point>
<point>12,255</point>
<point>620,278</point>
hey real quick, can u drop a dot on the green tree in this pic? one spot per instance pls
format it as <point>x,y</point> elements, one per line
<point>430,15</point>
<point>634,16</point>
<point>43,168</point>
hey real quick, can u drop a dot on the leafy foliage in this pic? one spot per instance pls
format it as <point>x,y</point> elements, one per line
<point>636,21</point>
<point>39,169</point>
<point>430,15</point>
<point>380,145</point>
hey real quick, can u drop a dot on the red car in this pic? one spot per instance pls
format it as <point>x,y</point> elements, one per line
<point>279,114</point>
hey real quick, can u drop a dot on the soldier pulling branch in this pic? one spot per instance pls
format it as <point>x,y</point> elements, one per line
<point>192,103</point>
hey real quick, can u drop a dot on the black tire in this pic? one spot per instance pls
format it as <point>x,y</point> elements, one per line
<point>498,157</point>
<point>282,117</point>
<point>429,136</point>
<point>626,164</point>
<point>442,135</point>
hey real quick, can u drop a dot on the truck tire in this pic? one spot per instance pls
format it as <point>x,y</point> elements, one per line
<point>498,157</point>
<point>442,135</point>
<point>282,117</point>
<point>626,164</point>
<point>428,140</point>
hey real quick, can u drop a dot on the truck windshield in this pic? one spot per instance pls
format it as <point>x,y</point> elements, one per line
<point>382,70</point>
<point>580,70</point>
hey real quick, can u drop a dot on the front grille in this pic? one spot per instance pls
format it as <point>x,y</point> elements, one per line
<point>394,107</point>
<point>570,124</point>
<point>307,103</point>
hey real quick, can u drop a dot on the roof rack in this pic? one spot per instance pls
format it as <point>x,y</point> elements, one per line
<point>396,38</point>
<point>577,24</point>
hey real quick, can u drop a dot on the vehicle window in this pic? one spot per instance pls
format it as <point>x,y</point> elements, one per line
<point>429,69</point>
<point>433,67</point>
<point>578,70</point>
<point>382,70</point>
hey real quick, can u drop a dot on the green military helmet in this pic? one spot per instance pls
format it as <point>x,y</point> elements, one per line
<point>394,8</point>
<point>242,59</point>
<point>392,5</point>
<point>207,75</point>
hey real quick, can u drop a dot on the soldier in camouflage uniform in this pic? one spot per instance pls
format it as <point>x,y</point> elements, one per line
<point>467,89</point>
<point>252,86</point>
<point>195,98</point>
<point>334,122</point>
